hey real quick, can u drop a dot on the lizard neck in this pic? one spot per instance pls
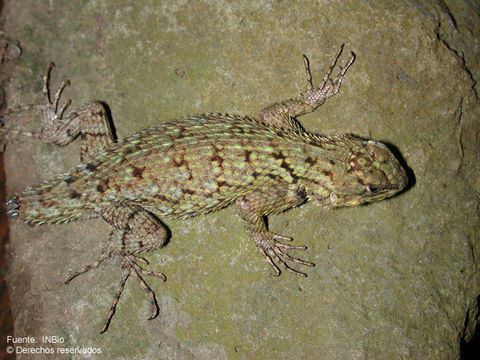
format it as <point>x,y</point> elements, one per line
<point>325,166</point>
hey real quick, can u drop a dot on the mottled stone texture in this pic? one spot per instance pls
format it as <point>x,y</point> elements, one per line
<point>397,279</point>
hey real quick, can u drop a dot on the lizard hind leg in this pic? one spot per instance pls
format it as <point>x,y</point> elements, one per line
<point>135,231</point>
<point>129,265</point>
<point>52,113</point>
<point>91,122</point>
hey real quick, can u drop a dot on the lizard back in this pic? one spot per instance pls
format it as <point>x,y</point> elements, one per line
<point>180,168</point>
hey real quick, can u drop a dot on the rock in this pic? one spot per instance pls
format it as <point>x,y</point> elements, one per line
<point>398,279</point>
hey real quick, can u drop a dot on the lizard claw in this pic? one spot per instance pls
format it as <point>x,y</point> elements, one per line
<point>13,203</point>
<point>280,237</point>
<point>12,213</point>
<point>12,207</point>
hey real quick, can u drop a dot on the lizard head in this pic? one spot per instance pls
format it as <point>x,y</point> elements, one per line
<point>376,175</point>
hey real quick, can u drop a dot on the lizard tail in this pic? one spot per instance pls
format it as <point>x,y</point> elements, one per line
<point>43,205</point>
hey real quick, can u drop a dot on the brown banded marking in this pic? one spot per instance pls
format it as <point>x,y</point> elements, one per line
<point>310,161</point>
<point>129,150</point>
<point>188,191</point>
<point>88,134</point>
<point>166,199</point>
<point>221,183</point>
<point>70,179</point>
<point>328,173</point>
<point>131,215</point>
<point>217,162</point>
<point>114,186</point>
<point>216,157</point>
<point>102,186</point>
<point>130,146</point>
<point>90,167</point>
<point>274,177</point>
<point>285,165</point>
<point>247,155</point>
<point>138,172</point>
<point>180,134</point>
<point>301,192</point>
<point>75,195</point>
<point>178,158</point>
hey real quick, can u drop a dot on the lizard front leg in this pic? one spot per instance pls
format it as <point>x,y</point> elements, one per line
<point>283,114</point>
<point>135,231</point>
<point>253,209</point>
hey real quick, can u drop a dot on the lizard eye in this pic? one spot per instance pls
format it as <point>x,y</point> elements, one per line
<point>372,189</point>
<point>378,150</point>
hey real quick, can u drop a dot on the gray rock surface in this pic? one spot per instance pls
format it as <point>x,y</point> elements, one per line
<point>396,279</point>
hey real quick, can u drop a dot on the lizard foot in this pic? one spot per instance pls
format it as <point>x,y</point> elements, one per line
<point>328,87</point>
<point>52,112</point>
<point>129,265</point>
<point>274,251</point>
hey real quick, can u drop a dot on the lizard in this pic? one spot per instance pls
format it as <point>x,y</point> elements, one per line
<point>263,164</point>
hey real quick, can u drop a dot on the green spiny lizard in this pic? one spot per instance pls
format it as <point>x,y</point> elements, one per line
<point>261,165</point>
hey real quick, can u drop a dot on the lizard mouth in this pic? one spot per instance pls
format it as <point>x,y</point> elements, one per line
<point>374,193</point>
<point>374,189</point>
<point>383,191</point>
